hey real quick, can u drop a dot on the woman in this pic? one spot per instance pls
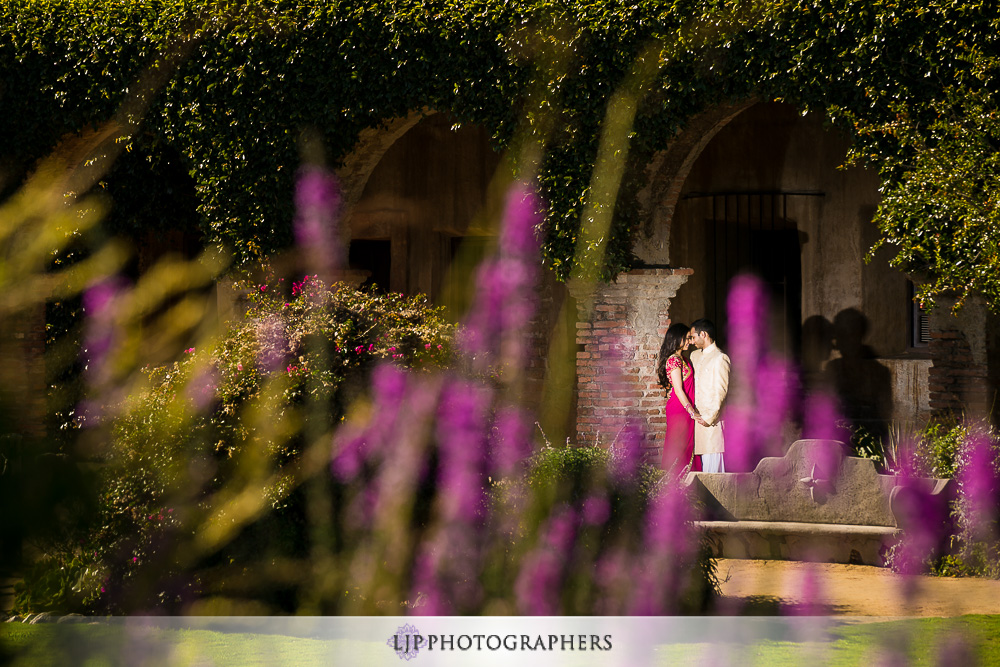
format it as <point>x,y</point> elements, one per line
<point>676,376</point>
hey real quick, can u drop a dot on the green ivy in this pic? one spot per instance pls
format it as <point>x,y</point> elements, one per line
<point>259,73</point>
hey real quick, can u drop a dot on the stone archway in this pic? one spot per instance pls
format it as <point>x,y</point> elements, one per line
<point>416,190</point>
<point>618,339</point>
<point>371,145</point>
<point>753,151</point>
<point>666,174</point>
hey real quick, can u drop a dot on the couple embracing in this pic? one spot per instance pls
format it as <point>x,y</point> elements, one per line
<point>696,392</point>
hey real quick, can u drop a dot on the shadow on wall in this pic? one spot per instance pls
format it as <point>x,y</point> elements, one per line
<point>862,385</point>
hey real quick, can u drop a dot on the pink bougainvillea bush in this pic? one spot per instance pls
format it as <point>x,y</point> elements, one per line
<point>236,409</point>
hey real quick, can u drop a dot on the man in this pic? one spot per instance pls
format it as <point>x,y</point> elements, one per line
<point>711,384</point>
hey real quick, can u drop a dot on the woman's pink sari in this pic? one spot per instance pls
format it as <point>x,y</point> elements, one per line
<point>678,446</point>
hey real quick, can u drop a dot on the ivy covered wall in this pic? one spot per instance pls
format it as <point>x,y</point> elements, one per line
<point>252,76</point>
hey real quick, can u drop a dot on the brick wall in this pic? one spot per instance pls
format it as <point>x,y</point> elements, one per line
<point>956,381</point>
<point>959,379</point>
<point>618,338</point>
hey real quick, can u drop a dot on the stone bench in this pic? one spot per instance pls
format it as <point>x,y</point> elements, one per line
<point>815,503</point>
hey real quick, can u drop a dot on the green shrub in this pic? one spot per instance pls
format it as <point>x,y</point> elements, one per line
<point>930,451</point>
<point>940,442</point>
<point>867,445</point>
<point>970,542</point>
<point>575,476</point>
<point>240,410</point>
<point>976,544</point>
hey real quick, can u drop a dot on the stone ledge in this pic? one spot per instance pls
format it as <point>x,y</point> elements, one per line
<point>799,528</point>
<point>787,540</point>
<point>816,482</point>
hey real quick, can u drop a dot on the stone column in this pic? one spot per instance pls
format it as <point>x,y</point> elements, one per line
<point>619,332</point>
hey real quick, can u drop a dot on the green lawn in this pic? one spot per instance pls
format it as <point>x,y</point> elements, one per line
<point>926,641</point>
<point>94,646</point>
<point>922,641</point>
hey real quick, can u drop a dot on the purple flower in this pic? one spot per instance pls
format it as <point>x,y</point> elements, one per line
<point>200,389</point>
<point>317,203</point>
<point>596,510</point>
<point>626,451</point>
<point>356,443</point>
<point>762,394</point>
<point>426,587</point>
<point>494,327</point>
<point>978,483</point>
<point>539,582</point>
<point>522,219</point>
<point>923,519</point>
<point>822,418</point>
<point>810,595</point>
<point>462,434</point>
<point>510,440</point>
<point>658,582</point>
<point>100,305</point>
<point>747,309</point>
<point>741,440</point>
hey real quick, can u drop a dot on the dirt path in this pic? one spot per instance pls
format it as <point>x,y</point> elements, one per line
<point>761,586</point>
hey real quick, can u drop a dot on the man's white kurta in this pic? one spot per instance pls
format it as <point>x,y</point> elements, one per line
<point>711,384</point>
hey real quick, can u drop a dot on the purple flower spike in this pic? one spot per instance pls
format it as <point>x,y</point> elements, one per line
<point>978,484</point>
<point>494,327</point>
<point>763,395</point>
<point>747,308</point>
<point>539,583</point>
<point>510,441</point>
<point>668,540</point>
<point>317,203</point>
<point>822,418</point>
<point>775,380</point>
<point>357,443</point>
<point>521,222</point>
<point>460,430</point>
<point>626,454</point>
<point>200,390</point>
<point>925,524</point>
<point>100,303</point>
<point>741,443</point>
<point>596,510</point>
<point>811,592</point>
<point>427,597</point>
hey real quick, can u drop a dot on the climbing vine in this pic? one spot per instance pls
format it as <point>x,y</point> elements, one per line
<point>258,73</point>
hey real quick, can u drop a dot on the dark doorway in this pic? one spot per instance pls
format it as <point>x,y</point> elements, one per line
<point>751,233</point>
<point>374,257</point>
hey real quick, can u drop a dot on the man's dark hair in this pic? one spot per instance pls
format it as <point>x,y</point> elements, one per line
<point>706,325</point>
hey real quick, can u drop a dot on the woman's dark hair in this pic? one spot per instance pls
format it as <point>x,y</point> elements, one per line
<point>672,341</point>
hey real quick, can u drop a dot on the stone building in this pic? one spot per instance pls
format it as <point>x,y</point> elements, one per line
<point>754,187</point>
